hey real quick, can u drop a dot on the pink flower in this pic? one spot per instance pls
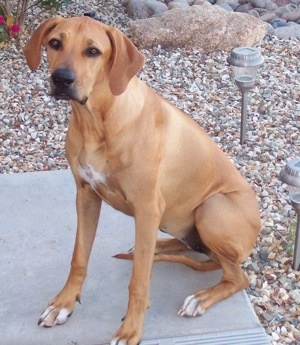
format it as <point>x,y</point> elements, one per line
<point>2,20</point>
<point>13,30</point>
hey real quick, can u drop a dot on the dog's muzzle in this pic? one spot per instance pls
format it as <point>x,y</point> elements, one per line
<point>62,82</point>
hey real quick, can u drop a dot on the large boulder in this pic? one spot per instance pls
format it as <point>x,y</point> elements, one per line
<point>202,26</point>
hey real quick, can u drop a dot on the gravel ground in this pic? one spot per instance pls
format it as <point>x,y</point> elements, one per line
<point>33,128</point>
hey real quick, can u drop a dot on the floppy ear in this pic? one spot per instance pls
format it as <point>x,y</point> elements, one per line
<point>33,47</point>
<point>126,61</point>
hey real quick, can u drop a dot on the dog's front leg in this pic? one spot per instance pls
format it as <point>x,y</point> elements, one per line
<point>88,205</point>
<point>146,227</point>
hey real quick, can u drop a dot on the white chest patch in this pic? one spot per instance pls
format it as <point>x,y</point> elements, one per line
<point>91,176</point>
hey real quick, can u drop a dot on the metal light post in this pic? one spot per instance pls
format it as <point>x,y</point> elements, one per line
<point>290,175</point>
<point>245,62</point>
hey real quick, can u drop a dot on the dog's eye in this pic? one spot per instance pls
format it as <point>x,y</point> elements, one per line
<point>55,44</point>
<point>93,52</point>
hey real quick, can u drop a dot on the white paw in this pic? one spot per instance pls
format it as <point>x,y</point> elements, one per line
<point>53,316</point>
<point>117,341</point>
<point>191,307</point>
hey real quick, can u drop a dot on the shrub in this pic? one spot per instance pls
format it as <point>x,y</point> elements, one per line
<point>12,17</point>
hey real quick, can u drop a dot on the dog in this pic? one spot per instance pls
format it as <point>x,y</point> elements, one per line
<point>131,148</point>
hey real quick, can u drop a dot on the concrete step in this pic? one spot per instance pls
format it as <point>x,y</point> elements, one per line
<point>37,232</point>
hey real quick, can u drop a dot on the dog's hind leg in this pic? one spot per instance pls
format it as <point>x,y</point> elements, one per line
<point>167,245</point>
<point>163,246</point>
<point>168,249</point>
<point>228,225</point>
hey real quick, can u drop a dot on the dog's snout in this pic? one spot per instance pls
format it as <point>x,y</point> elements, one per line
<point>63,78</point>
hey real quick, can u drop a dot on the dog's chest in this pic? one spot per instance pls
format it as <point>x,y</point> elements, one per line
<point>104,186</point>
<point>91,176</point>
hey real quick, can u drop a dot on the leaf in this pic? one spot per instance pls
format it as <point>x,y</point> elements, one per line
<point>10,20</point>
<point>3,45</point>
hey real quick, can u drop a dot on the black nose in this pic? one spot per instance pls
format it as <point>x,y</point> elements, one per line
<point>63,78</point>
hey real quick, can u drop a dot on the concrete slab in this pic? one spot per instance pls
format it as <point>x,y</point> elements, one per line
<point>37,232</point>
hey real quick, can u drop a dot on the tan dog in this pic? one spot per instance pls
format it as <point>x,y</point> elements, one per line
<point>129,147</point>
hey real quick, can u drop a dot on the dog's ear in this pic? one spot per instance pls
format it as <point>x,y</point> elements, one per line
<point>33,47</point>
<point>126,61</point>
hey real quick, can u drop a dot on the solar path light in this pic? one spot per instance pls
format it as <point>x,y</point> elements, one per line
<point>245,62</point>
<point>290,175</point>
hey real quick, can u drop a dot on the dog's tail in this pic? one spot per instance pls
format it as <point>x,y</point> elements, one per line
<point>209,265</point>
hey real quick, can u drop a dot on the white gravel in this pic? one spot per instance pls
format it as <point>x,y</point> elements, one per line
<point>33,128</point>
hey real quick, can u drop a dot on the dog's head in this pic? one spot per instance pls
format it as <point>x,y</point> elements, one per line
<point>84,55</point>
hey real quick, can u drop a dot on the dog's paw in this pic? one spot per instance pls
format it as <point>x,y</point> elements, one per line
<point>130,332</point>
<point>191,307</point>
<point>54,316</point>
<point>117,341</point>
<point>123,341</point>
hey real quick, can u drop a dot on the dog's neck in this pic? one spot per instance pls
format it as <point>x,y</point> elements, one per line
<point>88,120</point>
<point>104,106</point>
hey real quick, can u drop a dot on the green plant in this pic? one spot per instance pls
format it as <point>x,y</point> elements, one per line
<point>8,28</point>
<point>3,34</point>
<point>13,17</point>
<point>53,4</point>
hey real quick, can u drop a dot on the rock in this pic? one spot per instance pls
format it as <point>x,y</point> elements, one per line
<point>268,17</point>
<point>270,5</point>
<point>244,8</point>
<point>291,16</point>
<point>254,13</point>
<point>177,4</point>
<point>204,27</point>
<point>51,163</point>
<point>280,3</point>
<point>288,31</point>
<point>263,256</point>
<point>189,2</point>
<point>258,3</point>
<point>225,6</point>
<point>275,336</point>
<point>279,22</point>
<point>261,11</point>
<point>286,9</point>
<point>254,267</point>
<point>297,336</point>
<point>268,317</point>
<point>141,9</point>
<point>295,294</point>
<point>274,13</point>
<point>234,4</point>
